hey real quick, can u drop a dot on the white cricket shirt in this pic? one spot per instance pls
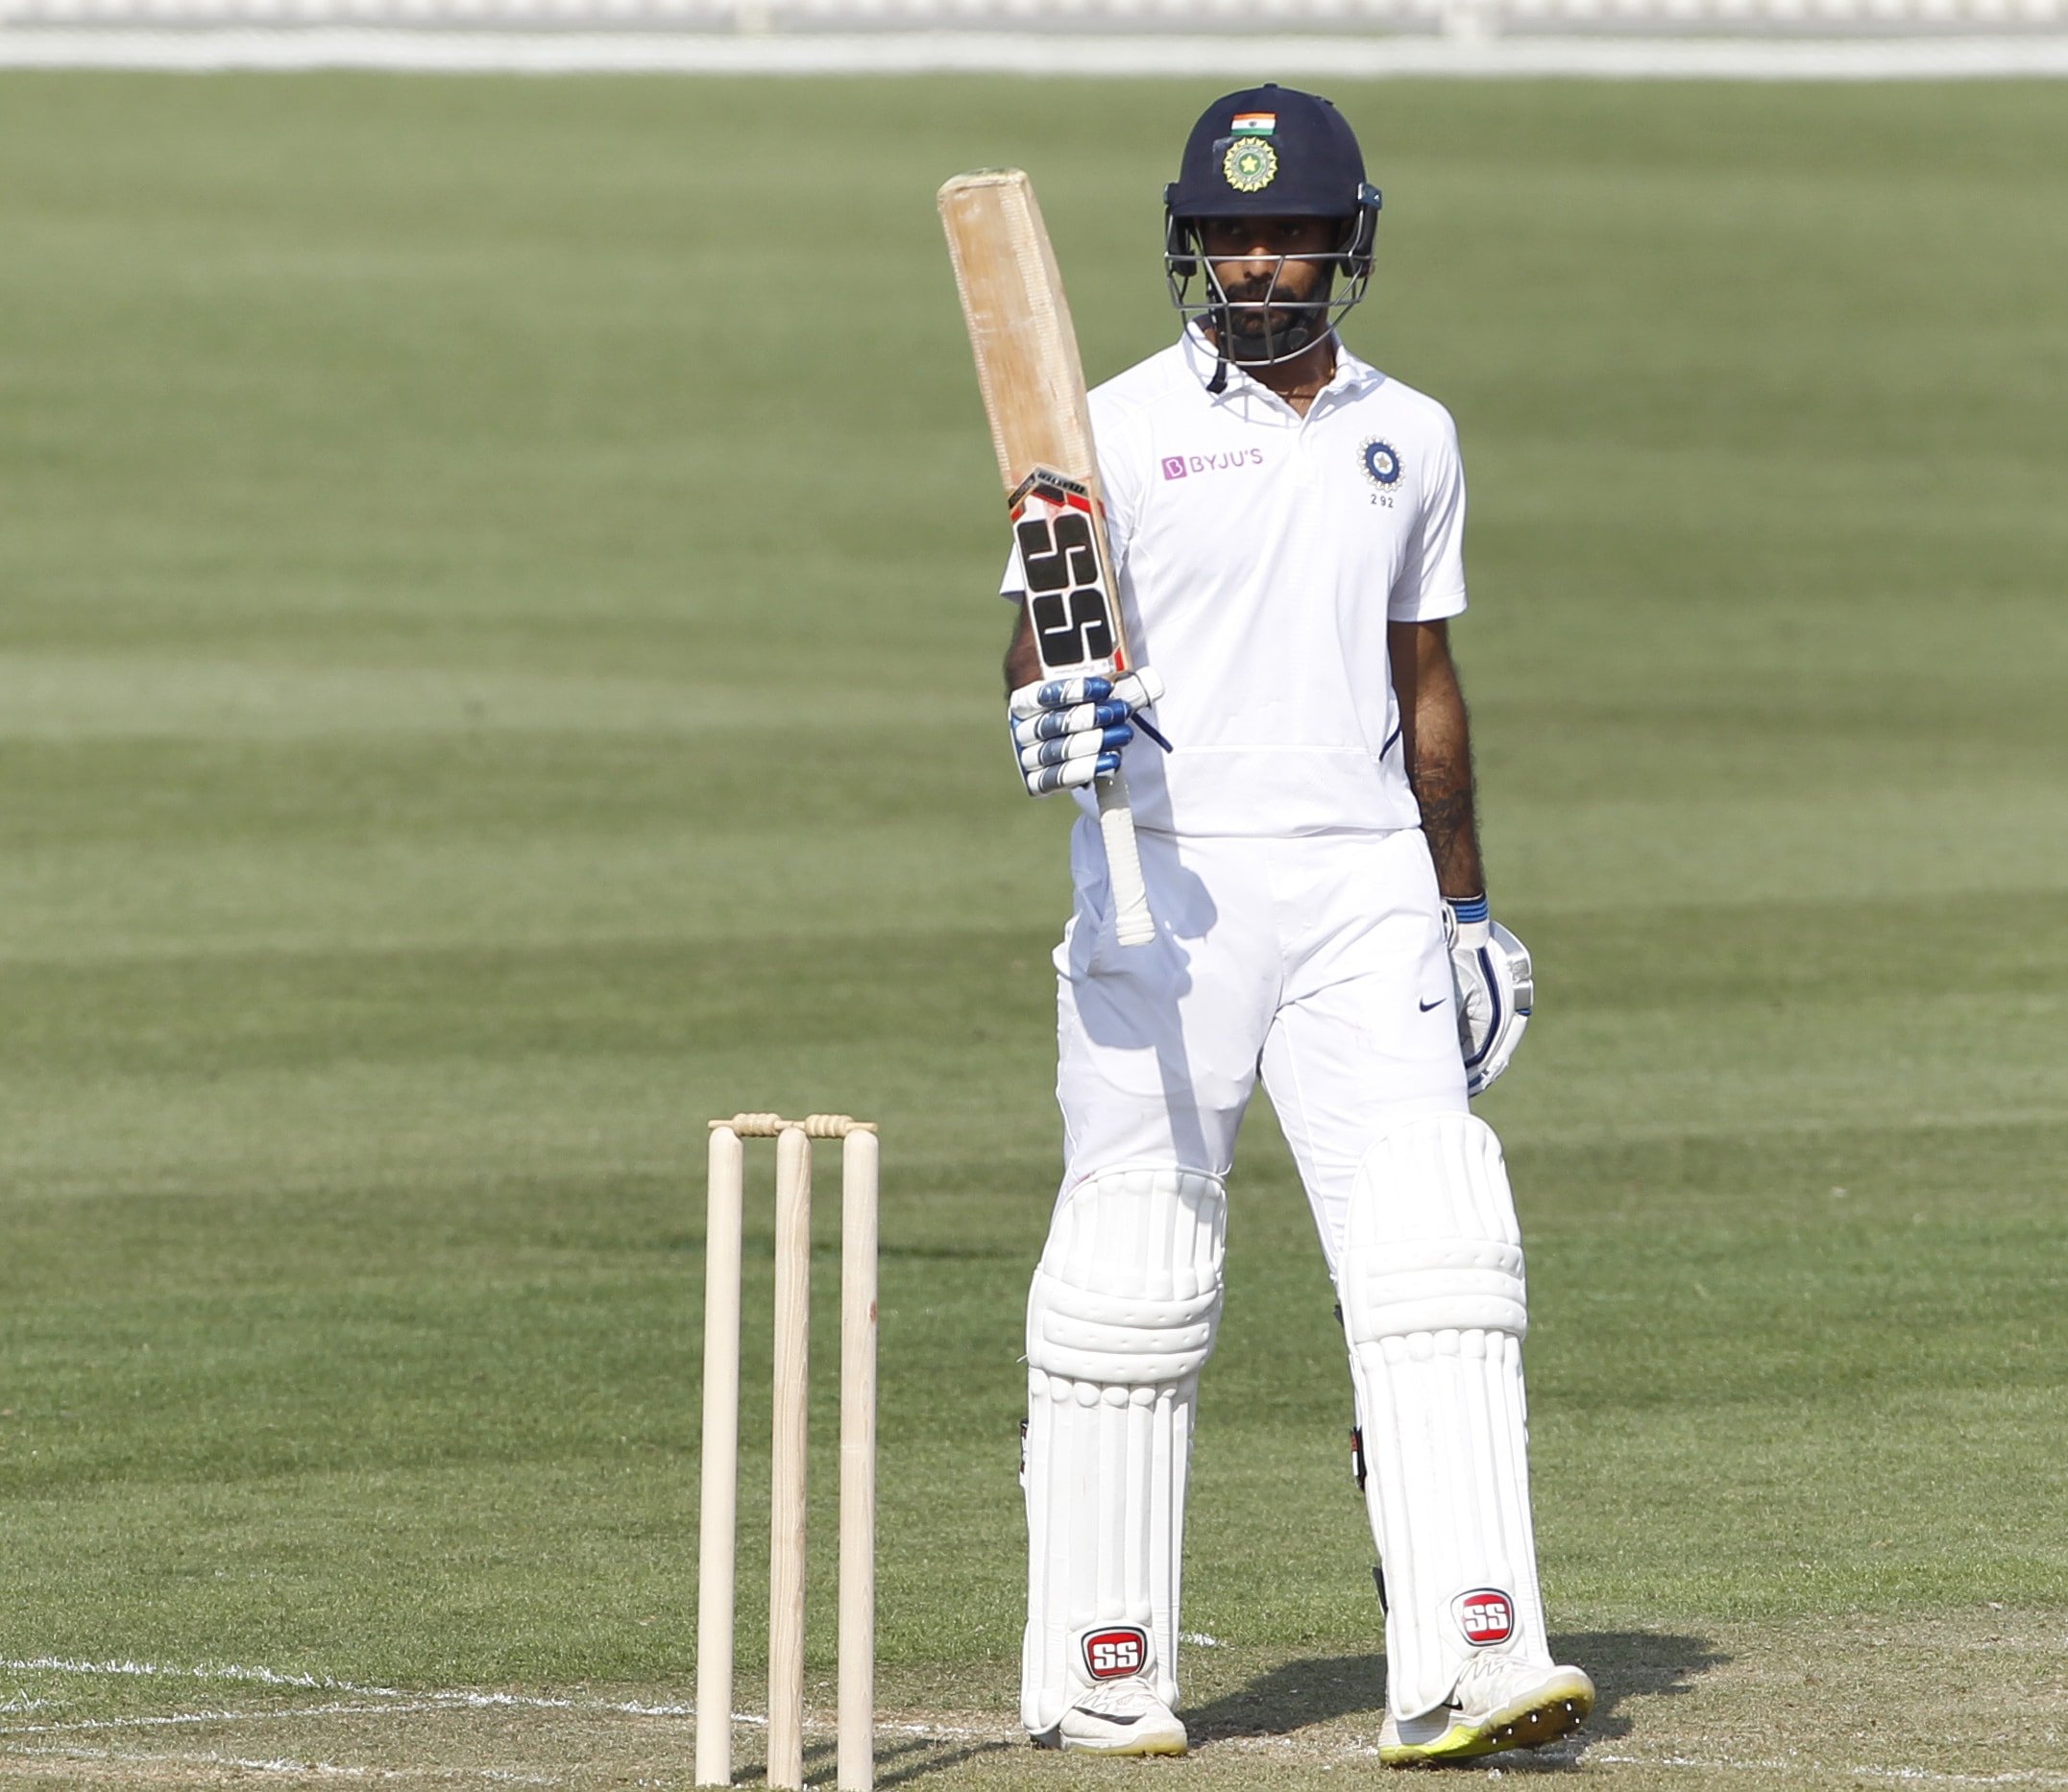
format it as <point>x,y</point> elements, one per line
<point>1259,556</point>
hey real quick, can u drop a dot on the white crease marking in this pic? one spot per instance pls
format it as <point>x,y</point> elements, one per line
<point>947,1732</point>
<point>260,1676</point>
<point>324,1682</point>
<point>174,1720</point>
<point>397,1702</point>
<point>286,1765</point>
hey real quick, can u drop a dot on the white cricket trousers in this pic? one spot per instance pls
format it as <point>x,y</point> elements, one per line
<point>1318,961</point>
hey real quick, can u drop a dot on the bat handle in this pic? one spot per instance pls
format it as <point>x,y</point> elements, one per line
<point>1132,923</point>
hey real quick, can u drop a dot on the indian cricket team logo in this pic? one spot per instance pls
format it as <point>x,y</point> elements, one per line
<point>1116,1651</point>
<point>1382,463</point>
<point>1250,166</point>
<point>1486,1617</point>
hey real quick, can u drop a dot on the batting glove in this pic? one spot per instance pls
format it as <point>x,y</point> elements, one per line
<point>1496,988</point>
<point>1068,731</point>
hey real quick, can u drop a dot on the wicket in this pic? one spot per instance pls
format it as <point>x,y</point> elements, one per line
<point>718,1517</point>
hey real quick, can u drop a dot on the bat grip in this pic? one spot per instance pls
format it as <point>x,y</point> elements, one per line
<point>1132,923</point>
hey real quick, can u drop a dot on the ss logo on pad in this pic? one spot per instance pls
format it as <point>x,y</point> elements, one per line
<point>1112,1654</point>
<point>1486,1617</point>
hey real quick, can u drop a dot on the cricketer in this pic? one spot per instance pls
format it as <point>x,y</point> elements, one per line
<point>1287,529</point>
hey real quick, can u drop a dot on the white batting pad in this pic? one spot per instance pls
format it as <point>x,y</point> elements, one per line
<point>1120,1321</point>
<point>1434,1308</point>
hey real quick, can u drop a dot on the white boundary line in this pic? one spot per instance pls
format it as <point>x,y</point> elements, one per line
<point>205,49</point>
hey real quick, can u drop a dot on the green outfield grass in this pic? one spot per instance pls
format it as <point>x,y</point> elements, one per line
<point>495,668</point>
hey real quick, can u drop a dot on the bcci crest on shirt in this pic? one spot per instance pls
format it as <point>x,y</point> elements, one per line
<point>1382,463</point>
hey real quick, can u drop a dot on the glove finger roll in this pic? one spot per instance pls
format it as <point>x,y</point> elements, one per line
<point>1053,724</point>
<point>1075,746</point>
<point>1058,694</point>
<point>1070,775</point>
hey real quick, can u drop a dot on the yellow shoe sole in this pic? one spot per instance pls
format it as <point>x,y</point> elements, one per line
<point>1554,1709</point>
<point>1135,1749</point>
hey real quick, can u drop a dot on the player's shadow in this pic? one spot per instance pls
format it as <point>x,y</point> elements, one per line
<point>1625,1665</point>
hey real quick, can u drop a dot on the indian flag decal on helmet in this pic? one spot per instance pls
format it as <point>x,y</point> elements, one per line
<point>1255,124</point>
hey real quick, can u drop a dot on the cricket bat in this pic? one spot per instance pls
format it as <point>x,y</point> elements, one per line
<point>1034,391</point>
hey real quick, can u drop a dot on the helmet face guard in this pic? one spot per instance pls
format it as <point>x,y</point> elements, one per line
<point>1263,332</point>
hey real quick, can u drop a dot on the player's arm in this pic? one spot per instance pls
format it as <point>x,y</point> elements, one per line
<point>1436,749</point>
<point>1496,985</point>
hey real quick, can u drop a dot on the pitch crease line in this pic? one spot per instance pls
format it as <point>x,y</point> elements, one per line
<point>401,1702</point>
<point>188,1719</point>
<point>261,1676</point>
<point>286,1765</point>
<point>324,1682</point>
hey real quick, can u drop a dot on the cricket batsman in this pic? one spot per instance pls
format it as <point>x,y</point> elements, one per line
<point>1287,526</point>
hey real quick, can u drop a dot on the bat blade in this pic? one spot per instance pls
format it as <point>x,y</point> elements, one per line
<point>1032,383</point>
<point>1019,326</point>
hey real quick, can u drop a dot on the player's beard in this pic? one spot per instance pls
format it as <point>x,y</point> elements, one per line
<point>1252,331</point>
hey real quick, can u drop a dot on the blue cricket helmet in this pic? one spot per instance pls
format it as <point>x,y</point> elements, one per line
<point>1269,152</point>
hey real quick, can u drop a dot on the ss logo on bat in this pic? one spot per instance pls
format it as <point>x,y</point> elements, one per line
<point>1066,594</point>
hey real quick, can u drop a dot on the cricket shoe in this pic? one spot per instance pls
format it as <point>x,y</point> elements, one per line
<point>1499,1705</point>
<point>1118,1717</point>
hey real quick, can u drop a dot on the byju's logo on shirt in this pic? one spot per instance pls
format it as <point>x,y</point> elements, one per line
<point>1184,466</point>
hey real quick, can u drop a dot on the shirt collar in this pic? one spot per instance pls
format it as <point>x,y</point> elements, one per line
<point>1351,375</point>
